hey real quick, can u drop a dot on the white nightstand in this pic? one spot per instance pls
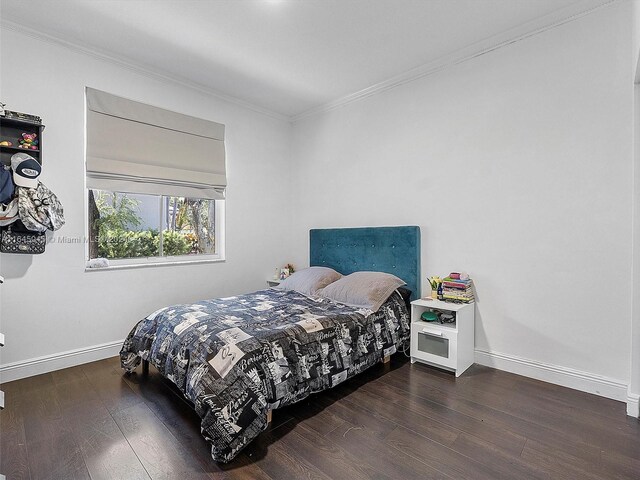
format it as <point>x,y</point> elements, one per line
<point>448,345</point>
<point>272,282</point>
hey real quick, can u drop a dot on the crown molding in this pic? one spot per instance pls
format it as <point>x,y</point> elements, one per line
<point>140,69</point>
<point>495,42</point>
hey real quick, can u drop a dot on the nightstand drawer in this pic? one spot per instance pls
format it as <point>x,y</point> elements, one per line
<point>434,344</point>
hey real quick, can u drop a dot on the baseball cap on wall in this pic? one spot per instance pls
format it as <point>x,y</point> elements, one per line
<point>26,170</point>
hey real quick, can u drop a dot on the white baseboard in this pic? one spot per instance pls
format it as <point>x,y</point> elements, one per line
<point>57,361</point>
<point>633,405</point>
<point>567,377</point>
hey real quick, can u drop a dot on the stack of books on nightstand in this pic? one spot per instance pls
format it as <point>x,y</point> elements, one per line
<point>456,289</point>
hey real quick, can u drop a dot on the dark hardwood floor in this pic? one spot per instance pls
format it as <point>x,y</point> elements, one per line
<point>395,421</point>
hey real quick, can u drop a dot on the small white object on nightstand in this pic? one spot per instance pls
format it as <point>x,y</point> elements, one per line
<point>445,345</point>
<point>271,282</point>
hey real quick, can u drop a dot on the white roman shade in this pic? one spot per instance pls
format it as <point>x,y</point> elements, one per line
<point>137,148</point>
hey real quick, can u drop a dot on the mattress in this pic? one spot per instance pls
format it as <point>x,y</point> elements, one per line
<point>236,358</point>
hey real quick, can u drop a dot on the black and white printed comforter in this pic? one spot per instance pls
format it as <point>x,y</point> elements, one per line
<point>237,357</point>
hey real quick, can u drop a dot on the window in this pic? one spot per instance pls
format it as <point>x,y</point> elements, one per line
<point>125,226</point>
<point>156,183</point>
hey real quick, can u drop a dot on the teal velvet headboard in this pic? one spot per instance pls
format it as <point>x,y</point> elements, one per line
<point>393,250</point>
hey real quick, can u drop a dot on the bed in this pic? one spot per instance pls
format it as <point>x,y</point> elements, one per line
<point>238,358</point>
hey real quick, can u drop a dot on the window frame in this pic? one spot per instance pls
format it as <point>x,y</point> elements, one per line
<point>166,260</point>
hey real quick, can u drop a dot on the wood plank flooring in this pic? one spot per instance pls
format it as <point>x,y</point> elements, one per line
<point>395,421</point>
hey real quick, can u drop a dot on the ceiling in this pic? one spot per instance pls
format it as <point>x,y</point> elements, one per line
<point>286,56</point>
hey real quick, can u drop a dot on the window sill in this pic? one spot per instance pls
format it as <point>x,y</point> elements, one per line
<point>156,264</point>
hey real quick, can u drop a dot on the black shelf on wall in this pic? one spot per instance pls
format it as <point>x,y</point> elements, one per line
<point>11,130</point>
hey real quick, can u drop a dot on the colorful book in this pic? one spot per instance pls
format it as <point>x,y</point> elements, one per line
<point>456,285</point>
<point>457,294</point>
<point>456,280</point>
<point>457,298</point>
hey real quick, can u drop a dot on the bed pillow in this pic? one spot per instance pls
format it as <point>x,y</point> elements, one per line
<point>309,280</point>
<point>362,289</point>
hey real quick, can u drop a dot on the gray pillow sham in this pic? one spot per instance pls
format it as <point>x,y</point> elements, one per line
<point>362,289</point>
<point>309,280</point>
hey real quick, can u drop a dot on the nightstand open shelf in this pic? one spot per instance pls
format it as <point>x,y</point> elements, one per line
<point>445,345</point>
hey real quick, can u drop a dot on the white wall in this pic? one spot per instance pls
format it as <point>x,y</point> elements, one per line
<point>49,304</point>
<point>517,165</point>
<point>633,398</point>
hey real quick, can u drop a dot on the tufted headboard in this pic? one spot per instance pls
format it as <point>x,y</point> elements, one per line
<point>394,250</point>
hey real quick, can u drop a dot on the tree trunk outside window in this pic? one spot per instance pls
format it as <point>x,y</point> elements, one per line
<point>94,215</point>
